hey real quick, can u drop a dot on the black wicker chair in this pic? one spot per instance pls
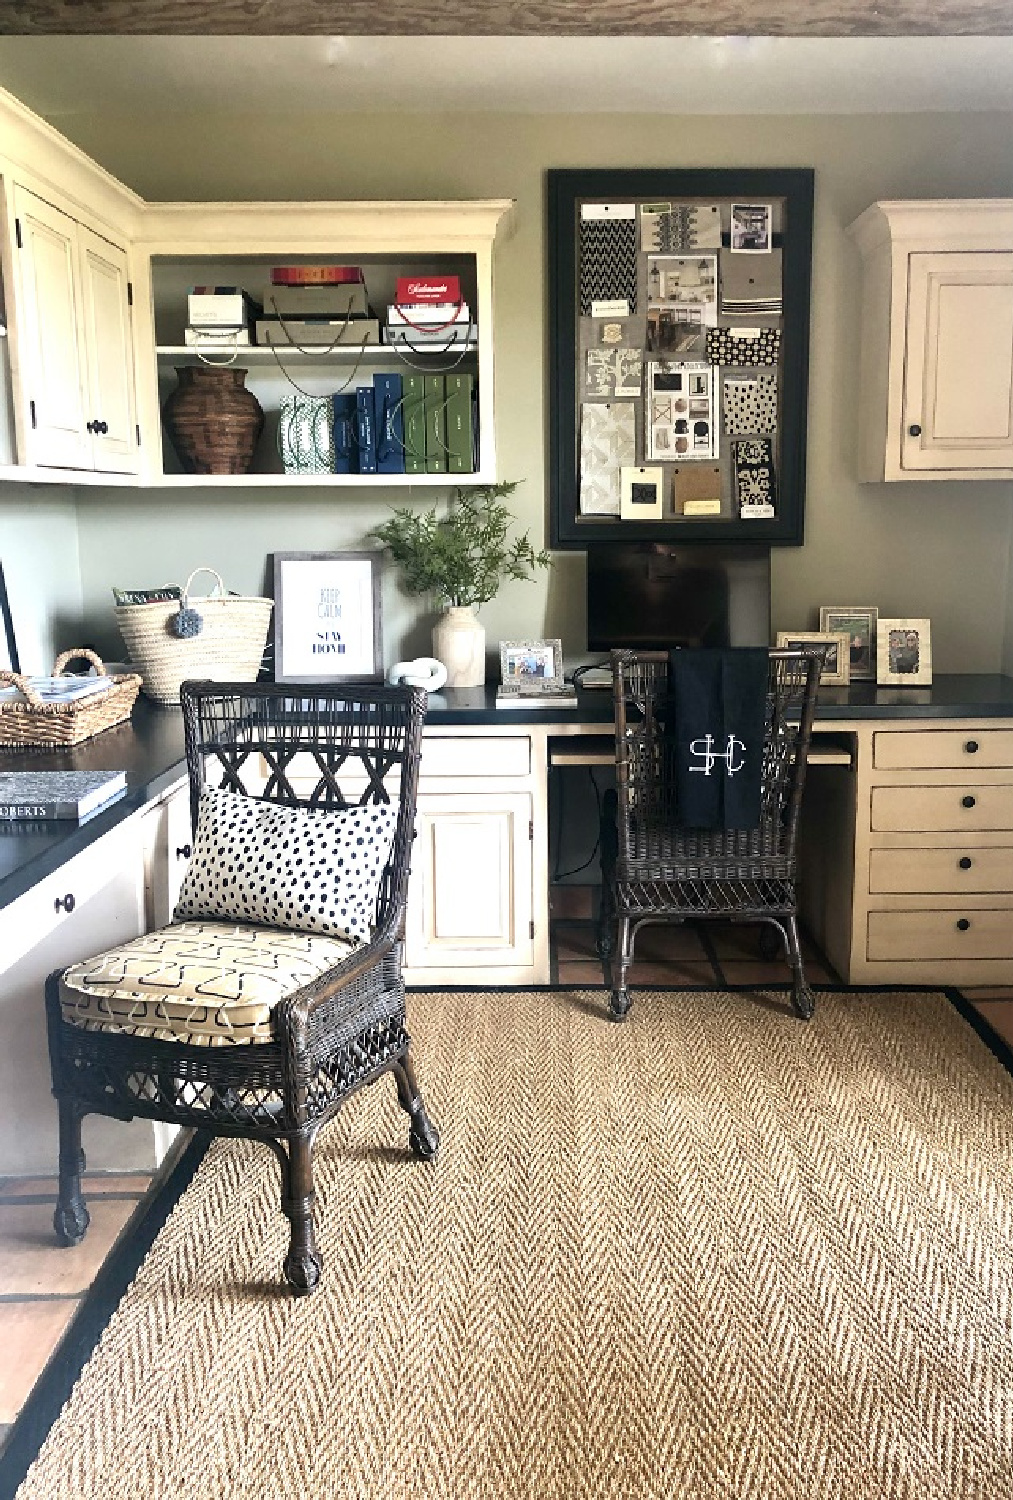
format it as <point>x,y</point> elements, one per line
<point>655,872</point>
<point>334,1023</point>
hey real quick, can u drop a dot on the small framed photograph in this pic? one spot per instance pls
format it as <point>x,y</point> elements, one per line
<point>752,228</point>
<point>327,617</point>
<point>836,664</point>
<point>858,621</point>
<point>640,492</point>
<point>531,664</point>
<point>903,653</point>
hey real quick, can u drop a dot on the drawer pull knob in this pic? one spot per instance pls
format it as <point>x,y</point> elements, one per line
<point>971,747</point>
<point>184,853</point>
<point>915,430</point>
<point>963,924</point>
<point>967,801</point>
<point>65,903</point>
<point>965,861</point>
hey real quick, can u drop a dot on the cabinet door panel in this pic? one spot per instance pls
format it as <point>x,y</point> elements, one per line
<point>959,385</point>
<point>106,314</point>
<point>470,898</point>
<point>49,334</point>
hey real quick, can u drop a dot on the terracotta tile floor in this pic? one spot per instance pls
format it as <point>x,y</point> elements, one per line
<point>41,1286</point>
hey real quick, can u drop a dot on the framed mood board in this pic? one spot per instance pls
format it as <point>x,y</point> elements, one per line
<point>679,354</point>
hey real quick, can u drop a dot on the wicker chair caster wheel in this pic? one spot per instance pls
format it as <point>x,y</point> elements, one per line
<point>619,1005</point>
<point>303,1272</point>
<point>71,1222</point>
<point>804,1001</point>
<point>424,1140</point>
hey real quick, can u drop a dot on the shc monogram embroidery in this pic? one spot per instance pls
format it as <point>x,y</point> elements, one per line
<point>733,754</point>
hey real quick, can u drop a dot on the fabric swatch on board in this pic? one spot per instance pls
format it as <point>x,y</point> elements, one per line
<point>725,347</point>
<point>754,477</point>
<point>608,442</point>
<point>608,255</point>
<point>750,406</point>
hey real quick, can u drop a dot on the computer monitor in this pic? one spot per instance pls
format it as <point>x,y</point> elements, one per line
<point>649,595</point>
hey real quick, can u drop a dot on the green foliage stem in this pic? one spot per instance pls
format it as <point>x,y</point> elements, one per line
<point>463,556</point>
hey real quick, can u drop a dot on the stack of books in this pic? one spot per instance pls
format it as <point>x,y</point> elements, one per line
<point>536,695</point>
<point>57,795</point>
<point>60,689</point>
<point>310,305</point>
<point>430,315</point>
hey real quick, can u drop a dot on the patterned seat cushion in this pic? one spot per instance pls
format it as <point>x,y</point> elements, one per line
<point>210,984</point>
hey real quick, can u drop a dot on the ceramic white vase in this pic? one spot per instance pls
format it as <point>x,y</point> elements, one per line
<point>459,643</point>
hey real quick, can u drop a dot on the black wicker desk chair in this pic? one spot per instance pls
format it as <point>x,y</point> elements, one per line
<point>656,872</point>
<point>276,991</point>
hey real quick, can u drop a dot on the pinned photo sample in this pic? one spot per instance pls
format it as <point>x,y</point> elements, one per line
<point>752,229</point>
<point>608,259</point>
<point>686,281</point>
<point>640,494</point>
<point>608,443</point>
<point>675,228</point>
<point>681,411</point>
<point>676,330</point>
<point>614,372</point>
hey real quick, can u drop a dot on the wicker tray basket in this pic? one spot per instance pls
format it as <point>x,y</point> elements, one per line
<point>31,722</point>
<point>229,648</point>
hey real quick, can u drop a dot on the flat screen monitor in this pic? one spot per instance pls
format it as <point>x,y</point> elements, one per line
<point>653,596</point>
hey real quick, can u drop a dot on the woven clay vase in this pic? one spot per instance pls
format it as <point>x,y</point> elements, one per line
<point>213,420</point>
<point>459,643</point>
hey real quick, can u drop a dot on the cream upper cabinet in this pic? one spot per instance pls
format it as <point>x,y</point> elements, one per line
<point>73,348</point>
<point>936,381</point>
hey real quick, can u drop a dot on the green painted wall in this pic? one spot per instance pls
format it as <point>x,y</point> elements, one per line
<point>936,550</point>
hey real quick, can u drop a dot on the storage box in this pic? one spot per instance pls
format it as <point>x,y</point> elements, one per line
<point>315,275</point>
<point>428,289</point>
<point>300,332</point>
<point>219,307</point>
<point>334,300</point>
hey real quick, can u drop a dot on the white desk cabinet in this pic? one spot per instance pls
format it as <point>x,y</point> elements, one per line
<point>72,327</point>
<point>95,900</point>
<point>936,377</point>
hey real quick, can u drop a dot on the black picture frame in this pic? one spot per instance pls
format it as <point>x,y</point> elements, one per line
<point>792,189</point>
<point>331,636</point>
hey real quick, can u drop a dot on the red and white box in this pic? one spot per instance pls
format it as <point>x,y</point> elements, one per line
<point>412,290</point>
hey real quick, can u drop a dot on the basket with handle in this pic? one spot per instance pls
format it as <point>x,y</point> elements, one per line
<point>28,721</point>
<point>229,647</point>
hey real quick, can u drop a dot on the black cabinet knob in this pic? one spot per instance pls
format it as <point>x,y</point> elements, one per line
<point>91,426</point>
<point>184,853</point>
<point>102,427</point>
<point>971,746</point>
<point>967,801</point>
<point>65,903</point>
<point>914,430</point>
<point>962,924</point>
<point>964,861</point>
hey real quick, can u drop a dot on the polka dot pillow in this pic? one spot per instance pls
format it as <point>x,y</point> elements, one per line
<point>302,868</point>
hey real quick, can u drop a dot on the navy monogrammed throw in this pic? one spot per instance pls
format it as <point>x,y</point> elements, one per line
<point>717,721</point>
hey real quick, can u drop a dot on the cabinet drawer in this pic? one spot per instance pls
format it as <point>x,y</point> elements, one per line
<point>485,756</point>
<point>924,871</point>
<point>913,809</point>
<point>936,934</point>
<point>976,749</point>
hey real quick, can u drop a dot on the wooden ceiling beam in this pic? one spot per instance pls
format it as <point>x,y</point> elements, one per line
<point>801,18</point>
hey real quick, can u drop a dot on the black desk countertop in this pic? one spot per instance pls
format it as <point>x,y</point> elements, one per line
<point>150,749</point>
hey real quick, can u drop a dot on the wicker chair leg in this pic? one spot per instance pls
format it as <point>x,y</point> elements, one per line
<point>802,996</point>
<point>423,1137</point>
<point>71,1218</point>
<point>303,1263</point>
<point>619,964</point>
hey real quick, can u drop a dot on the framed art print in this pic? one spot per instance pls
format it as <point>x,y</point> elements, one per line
<point>327,617</point>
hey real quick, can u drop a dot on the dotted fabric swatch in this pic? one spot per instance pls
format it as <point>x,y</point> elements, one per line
<point>301,868</point>
<point>750,406</point>
<point>724,347</point>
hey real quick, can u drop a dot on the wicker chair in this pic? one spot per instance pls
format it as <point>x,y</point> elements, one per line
<point>125,1042</point>
<point>656,872</point>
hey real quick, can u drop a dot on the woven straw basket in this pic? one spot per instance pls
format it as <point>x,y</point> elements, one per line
<point>229,648</point>
<point>29,721</point>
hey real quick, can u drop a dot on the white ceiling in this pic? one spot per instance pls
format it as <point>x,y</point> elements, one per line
<point>58,76</point>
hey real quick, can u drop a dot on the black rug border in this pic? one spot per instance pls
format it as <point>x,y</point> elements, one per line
<point>51,1391</point>
<point>49,1394</point>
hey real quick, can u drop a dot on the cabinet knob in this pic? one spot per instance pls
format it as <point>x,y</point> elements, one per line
<point>964,861</point>
<point>914,430</point>
<point>962,924</point>
<point>91,426</point>
<point>184,853</point>
<point>967,801</point>
<point>102,427</point>
<point>65,903</point>
<point>971,746</point>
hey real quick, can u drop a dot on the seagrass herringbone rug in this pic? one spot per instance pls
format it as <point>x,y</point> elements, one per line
<point>714,1252</point>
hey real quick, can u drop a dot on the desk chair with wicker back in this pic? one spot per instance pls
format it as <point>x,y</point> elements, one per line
<point>276,990</point>
<point>653,870</point>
